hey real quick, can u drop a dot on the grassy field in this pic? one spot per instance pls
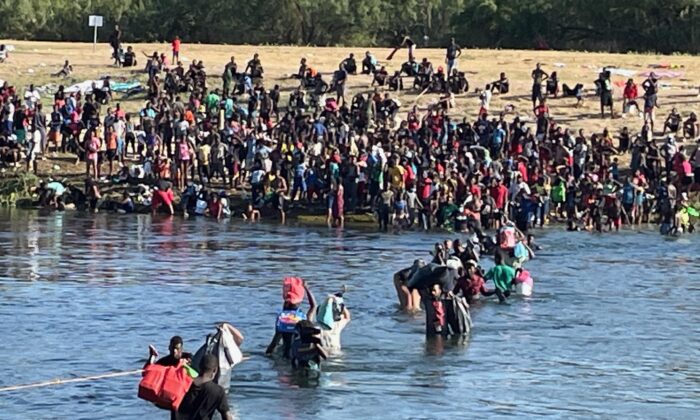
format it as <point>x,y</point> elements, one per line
<point>33,62</point>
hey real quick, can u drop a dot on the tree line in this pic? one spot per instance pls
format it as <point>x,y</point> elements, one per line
<point>610,25</point>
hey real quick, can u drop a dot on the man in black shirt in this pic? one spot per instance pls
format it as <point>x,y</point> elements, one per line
<point>453,53</point>
<point>172,359</point>
<point>115,40</point>
<point>205,396</point>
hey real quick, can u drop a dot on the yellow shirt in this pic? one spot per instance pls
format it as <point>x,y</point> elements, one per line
<point>204,151</point>
<point>396,176</point>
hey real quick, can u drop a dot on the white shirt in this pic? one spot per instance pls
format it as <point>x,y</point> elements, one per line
<point>119,128</point>
<point>330,339</point>
<point>31,97</point>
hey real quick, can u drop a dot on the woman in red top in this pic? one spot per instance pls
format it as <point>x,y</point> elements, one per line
<point>629,96</point>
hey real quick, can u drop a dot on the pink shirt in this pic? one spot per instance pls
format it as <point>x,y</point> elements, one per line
<point>93,145</point>
<point>687,169</point>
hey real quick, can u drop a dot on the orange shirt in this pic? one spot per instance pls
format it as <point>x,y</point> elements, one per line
<point>112,141</point>
<point>189,117</point>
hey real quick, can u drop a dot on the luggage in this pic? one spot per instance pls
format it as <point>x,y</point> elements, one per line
<point>458,318</point>
<point>293,290</point>
<point>222,345</point>
<point>165,386</point>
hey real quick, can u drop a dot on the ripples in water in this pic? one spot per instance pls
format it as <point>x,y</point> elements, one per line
<point>612,330</point>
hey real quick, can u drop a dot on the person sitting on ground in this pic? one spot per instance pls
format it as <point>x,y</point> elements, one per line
<point>553,84</point>
<point>129,58</point>
<point>576,92</point>
<point>673,122</point>
<point>205,396</point>
<point>457,82</point>
<point>691,128</point>
<point>502,85</point>
<point>3,53</point>
<point>65,71</point>
<point>369,64</point>
<point>380,77</point>
<point>395,82</point>
<point>409,68</point>
<point>439,81</point>
<point>424,74</point>
<point>349,64</point>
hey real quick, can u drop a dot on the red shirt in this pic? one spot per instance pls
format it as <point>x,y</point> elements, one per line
<point>523,170</point>
<point>176,45</point>
<point>475,190</point>
<point>425,191</point>
<point>630,92</point>
<point>439,312</point>
<point>499,194</point>
<point>214,207</point>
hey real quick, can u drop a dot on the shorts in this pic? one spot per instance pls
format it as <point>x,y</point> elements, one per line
<point>536,91</point>
<point>111,154</point>
<point>452,63</point>
<point>54,136</point>
<point>687,180</point>
<point>280,200</point>
<point>606,98</point>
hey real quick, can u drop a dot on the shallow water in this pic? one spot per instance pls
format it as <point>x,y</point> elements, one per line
<point>613,329</point>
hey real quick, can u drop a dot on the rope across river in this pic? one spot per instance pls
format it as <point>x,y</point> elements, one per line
<point>60,381</point>
<point>70,380</point>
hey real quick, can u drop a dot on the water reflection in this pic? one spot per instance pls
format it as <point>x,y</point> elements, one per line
<point>601,337</point>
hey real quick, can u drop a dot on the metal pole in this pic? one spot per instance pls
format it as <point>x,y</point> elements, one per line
<point>94,40</point>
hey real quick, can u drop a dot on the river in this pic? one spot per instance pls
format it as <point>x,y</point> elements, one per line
<point>613,329</point>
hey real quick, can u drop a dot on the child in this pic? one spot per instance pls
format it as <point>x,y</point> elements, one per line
<point>307,351</point>
<point>485,100</point>
<point>251,213</point>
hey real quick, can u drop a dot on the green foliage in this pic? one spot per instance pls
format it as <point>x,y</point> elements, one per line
<point>615,25</point>
<point>17,188</point>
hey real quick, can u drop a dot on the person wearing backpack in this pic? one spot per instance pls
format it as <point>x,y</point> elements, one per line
<point>285,325</point>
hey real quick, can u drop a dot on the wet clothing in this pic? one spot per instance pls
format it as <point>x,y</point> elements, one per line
<point>201,401</point>
<point>502,277</point>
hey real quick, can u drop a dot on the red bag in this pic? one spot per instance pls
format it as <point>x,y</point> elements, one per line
<point>165,386</point>
<point>293,290</point>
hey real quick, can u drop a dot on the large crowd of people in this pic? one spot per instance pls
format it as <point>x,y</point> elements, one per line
<point>203,135</point>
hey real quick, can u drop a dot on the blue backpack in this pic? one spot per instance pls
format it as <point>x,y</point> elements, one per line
<point>287,320</point>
